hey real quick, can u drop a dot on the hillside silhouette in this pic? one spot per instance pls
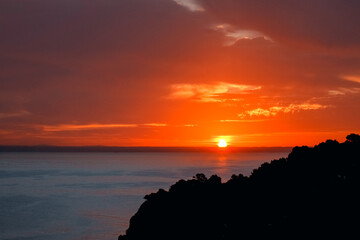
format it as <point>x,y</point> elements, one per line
<point>311,194</point>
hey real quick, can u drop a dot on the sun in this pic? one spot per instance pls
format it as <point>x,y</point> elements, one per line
<point>222,143</point>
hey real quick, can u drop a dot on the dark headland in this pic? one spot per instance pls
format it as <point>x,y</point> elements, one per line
<point>311,194</point>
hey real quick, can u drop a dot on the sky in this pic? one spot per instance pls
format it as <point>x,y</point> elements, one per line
<point>179,72</point>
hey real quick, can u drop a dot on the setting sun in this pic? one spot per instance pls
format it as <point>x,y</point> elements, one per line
<point>222,143</point>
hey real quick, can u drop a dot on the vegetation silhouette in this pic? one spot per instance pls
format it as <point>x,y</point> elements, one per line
<point>313,193</point>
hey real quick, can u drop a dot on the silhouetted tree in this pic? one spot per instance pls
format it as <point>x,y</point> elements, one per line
<point>354,138</point>
<point>311,194</point>
<point>200,177</point>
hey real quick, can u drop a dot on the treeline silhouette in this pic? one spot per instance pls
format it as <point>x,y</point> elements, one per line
<point>311,194</point>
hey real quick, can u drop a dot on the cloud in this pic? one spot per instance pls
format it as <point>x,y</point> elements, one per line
<point>155,124</point>
<point>78,127</point>
<point>14,114</point>
<point>344,91</point>
<point>209,92</point>
<point>192,5</point>
<point>321,23</point>
<point>272,111</point>
<point>190,125</point>
<point>261,112</point>
<point>351,78</point>
<point>75,127</point>
<point>234,35</point>
<point>241,120</point>
<point>336,92</point>
<point>297,107</point>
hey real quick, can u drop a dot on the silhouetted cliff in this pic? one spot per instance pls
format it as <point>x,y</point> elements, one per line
<point>311,194</point>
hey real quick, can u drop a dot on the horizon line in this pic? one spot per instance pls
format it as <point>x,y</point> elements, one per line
<point>101,148</point>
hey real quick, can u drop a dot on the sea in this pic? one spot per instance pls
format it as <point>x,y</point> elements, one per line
<point>92,195</point>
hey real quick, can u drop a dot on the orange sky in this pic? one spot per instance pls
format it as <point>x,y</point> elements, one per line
<point>178,73</point>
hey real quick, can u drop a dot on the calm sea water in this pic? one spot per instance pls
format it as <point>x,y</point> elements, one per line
<point>93,195</point>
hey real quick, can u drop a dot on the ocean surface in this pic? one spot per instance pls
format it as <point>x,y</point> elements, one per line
<point>93,195</point>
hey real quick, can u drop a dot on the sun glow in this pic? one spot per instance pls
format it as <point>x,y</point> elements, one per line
<point>222,143</point>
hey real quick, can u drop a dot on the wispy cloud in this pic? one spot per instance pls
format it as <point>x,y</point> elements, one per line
<point>336,92</point>
<point>343,91</point>
<point>262,112</point>
<point>14,114</point>
<point>209,92</point>
<point>192,5</point>
<point>272,111</point>
<point>79,127</point>
<point>155,124</point>
<point>241,120</point>
<point>70,127</point>
<point>233,35</point>
<point>351,78</point>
